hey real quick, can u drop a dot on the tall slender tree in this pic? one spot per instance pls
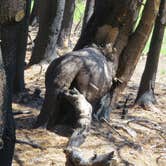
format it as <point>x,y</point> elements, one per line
<point>145,94</point>
<point>64,36</point>
<point>21,44</point>
<point>50,20</point>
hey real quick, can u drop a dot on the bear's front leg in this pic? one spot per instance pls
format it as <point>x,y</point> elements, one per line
<point>84,113</point>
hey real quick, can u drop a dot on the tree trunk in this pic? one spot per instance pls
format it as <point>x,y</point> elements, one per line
<point>22,35</point>
<point>145,94</point>
<point>15,40</point>
<point>12,10</point>
<point>110,19</point>
<point>7,126</point>
<point>50,19</point>
<point>88,12</point>
<point>64,36</point>
<point>135,46</point>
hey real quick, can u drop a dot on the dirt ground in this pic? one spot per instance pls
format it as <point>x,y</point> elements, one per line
<point>139,140</point>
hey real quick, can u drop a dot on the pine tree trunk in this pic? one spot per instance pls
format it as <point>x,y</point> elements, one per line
<point>88,12</point>
<point>64,36</point>
<point>136,43</point>
<point>147,85</point>
<point>12,10</point>
<point>50,19</point>
<point>7,126</point>
<point>110,19</point>
<point>14,36</point>
<point>22,35</point>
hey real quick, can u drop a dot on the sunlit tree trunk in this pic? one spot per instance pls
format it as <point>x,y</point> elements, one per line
<point>136,43</point>
<point>146,90</point>
<point>11,13</point>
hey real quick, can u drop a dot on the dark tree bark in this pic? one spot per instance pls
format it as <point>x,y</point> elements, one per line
<point>14,36</point>
<point>12,10</point>
<point>109,19</point>
<point>50,20</point>
<point>88,12</point>
<point>64,36</point>
<point>145,94</point>
<point>21,44</point>
<point>7,126</point>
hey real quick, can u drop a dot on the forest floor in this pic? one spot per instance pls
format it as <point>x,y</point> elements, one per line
<point>139,140</point>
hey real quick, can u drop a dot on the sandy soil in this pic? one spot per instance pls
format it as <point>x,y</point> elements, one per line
<point>139,140</point>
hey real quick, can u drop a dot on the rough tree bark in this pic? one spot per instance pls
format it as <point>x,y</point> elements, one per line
<point>50,19</point>
<point>145,94</point>
<point>136,43</point>
<point>111,22</point>
<point>21,44</point>
<point>11,12</point>
<point>14,36</point>
<point>88,12</point>
<point>7,126</point>
<point>64,36</point>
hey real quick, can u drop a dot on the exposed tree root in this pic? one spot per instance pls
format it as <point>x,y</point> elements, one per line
<point>147,101</point>
<point>34,145</point>
<point>146,123</point>
<point>124,127</point>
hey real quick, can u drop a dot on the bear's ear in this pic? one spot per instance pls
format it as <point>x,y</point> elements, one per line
<point>12,11</point>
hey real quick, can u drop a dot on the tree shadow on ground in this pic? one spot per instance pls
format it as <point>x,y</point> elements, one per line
<point>32,100</point>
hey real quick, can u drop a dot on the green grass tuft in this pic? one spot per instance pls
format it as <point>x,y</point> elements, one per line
<point>79,11</point>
